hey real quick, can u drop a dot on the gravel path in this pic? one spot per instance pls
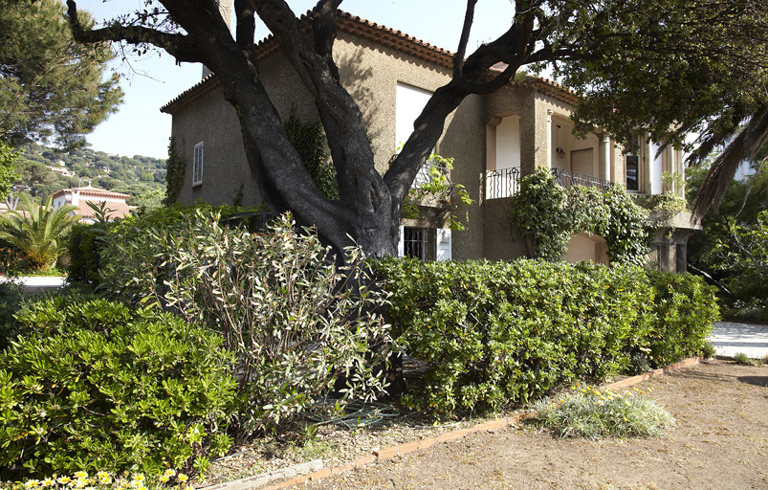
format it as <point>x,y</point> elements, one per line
<point>720,442</point>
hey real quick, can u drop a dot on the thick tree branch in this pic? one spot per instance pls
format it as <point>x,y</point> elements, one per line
<point>246,24</point>
<point>360,186</point>
<point>458,58</point>
<point>179,46</point>
<point>324,32</point>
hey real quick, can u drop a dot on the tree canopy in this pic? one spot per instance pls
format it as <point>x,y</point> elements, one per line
<point>7,169</point>
<point>52,89</point>
<point>706,59</point>
<point>674,68</point>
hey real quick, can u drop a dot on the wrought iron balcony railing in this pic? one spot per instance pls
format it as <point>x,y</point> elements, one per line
<point>505,182</point>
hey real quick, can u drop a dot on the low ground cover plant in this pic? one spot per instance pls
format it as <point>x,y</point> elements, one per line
<point>94,385</point>
<point>102,480</point>
<point>587,411</point>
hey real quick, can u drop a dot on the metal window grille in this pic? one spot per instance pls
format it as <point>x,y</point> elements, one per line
<point>416,243</point>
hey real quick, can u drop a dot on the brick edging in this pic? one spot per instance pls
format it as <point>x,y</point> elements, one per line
<point>414,446</point>
<point>634,380</point>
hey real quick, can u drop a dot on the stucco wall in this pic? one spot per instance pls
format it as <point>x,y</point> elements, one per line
<point>212,120</point>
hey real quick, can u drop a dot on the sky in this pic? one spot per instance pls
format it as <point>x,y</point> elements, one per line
<point>139,128</point>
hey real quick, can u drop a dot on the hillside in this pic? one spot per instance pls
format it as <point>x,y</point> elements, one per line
<point>45,170</point>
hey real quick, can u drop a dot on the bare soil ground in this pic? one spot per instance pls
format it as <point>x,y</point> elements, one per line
<point>720,442</point>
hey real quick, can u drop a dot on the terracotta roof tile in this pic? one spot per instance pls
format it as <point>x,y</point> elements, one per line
<point>379,34</point>
<point>91,192</point>
<point>114,210</point>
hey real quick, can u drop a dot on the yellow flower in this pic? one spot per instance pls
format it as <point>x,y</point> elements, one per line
<point>64,480</point>
<point>164,478</point>
<point>47,482</point>
<point>169,472</point>
<point>32,483</point>
<point>182,477</point>
<point>138,477</point>
<point>81,474</point>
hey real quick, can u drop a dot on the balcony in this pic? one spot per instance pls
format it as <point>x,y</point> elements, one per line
<point>568,178</point>
<point>505,182</point>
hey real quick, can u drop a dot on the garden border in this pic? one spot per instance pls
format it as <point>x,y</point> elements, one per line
<point>314,470</point>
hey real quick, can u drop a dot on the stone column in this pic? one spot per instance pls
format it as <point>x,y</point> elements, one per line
<point>605,157</point>
<point>648,167</point>
<point>549,138</point>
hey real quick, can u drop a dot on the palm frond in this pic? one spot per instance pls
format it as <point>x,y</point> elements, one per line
<point>38,231</point>
<point>721,172</point>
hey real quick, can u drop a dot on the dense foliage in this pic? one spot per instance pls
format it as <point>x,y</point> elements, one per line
<point>11,300</point>
<point>670,68</point>
<point>308,138</point>
<point>50,86</point>
<point>277,296</point>
<point>713,251</point>
<point>744,257</point>
<point>176,167</point>
<point>546,215</point>
<point>93,385</point>
<point>495,332</point>
<point>8,173</point>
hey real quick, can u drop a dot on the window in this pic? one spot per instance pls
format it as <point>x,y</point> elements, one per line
<point>197,165</point>
<point>417,243</point>
<point>633,173</point>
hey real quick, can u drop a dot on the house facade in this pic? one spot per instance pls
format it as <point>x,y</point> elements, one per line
<point>494,140</point>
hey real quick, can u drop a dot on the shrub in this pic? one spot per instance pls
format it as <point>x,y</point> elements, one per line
<point>495,332</point>
<point>98,386</point>
<point>11,299</point>
<point>592,413</point>
<point>684,308</point>
<point>743,359</point>
<point>88,241</point>
<point>283,306</point>
<point>38,232</point>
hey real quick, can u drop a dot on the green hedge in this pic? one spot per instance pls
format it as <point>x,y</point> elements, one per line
<point>495,332</point>
<point>96,386</point>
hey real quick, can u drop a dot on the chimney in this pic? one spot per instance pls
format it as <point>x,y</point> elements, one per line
<point>225,8</point>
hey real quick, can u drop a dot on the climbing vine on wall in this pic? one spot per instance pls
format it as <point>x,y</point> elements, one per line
<point>174,177</point>
<point>437,188</point>
<point>309,140</point>
<point>546,215</point>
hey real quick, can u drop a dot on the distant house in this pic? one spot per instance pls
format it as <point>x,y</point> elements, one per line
<point>62,171</point>
<point>115,205</point>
